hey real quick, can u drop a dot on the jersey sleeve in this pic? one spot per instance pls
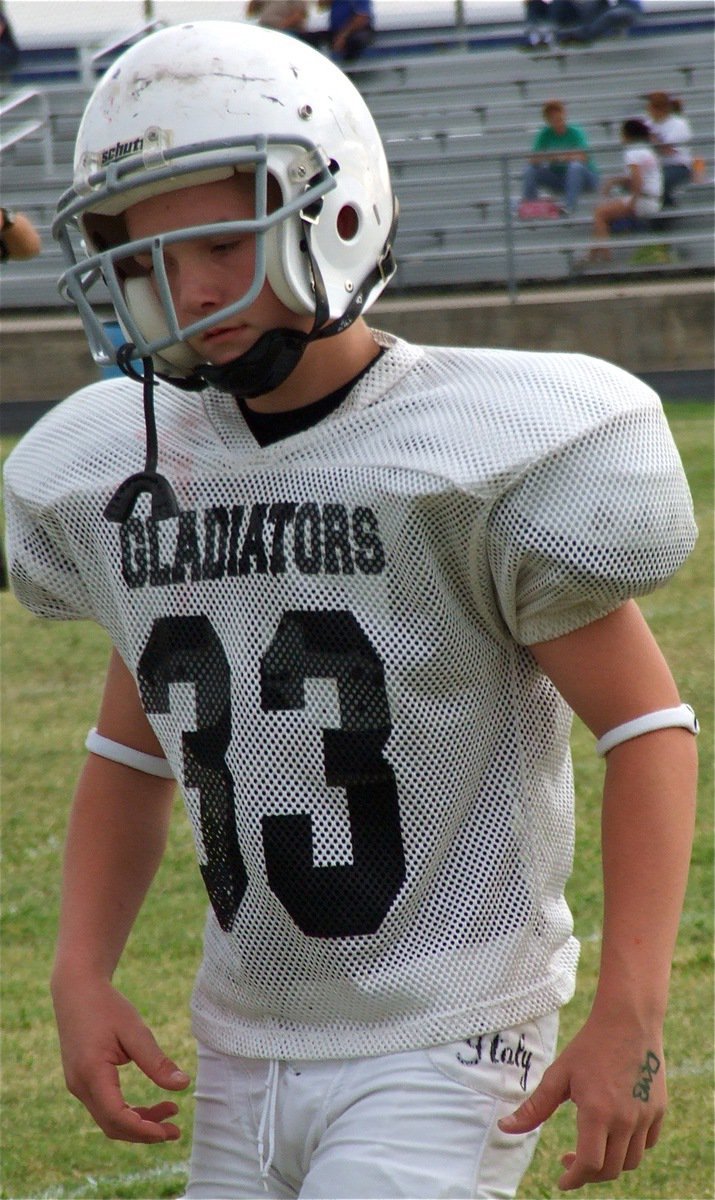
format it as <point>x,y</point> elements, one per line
<point>41,564</point>
<point>604,518</point>
<point>44,578</point>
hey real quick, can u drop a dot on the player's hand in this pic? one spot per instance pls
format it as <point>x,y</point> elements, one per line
<point>616,1079</point>
<point>99,1032</point>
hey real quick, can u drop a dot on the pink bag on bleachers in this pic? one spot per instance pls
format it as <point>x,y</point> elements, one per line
<point>538,210</point>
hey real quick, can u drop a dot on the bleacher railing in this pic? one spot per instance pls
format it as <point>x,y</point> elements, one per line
<point>23,123</point>
<point>518,240</point>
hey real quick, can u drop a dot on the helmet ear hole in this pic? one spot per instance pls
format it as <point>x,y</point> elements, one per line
<point>348,223</point>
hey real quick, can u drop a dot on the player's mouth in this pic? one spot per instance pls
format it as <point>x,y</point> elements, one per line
<point>222,333</point>
<point>225,341</point>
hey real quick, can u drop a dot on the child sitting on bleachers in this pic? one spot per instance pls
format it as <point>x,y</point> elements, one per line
<point>642,181</point>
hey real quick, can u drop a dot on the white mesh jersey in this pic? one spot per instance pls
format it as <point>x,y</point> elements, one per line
<point>331,642</point>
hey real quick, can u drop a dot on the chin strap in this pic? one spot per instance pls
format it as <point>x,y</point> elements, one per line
<point>163,501</point>
<point>270,360</point>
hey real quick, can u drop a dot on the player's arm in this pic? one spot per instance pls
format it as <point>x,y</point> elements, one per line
<point>611,672</point>
<point>116,838</point>
<point>19,236</point>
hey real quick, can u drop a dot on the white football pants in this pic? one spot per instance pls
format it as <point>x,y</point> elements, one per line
<point>419,1124</point>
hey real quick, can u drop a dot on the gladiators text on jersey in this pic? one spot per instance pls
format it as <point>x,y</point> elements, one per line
<point>219,541</point>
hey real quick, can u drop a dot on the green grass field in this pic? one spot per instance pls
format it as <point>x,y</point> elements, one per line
<point>51,679</point>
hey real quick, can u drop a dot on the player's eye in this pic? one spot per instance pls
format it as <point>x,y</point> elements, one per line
<point>225,247</point>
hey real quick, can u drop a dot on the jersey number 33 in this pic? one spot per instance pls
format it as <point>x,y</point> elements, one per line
<point>324,901</point>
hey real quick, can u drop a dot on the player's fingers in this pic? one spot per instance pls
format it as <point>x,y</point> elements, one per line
<point>601,1157</point>
<point>544,1100</point>
<point>617,1150</point>
<point>147,1125</point>
<point>586,1164</point>
<point>142,1048</point>
<point>599,1161</point>
<point>636,1150</point>
<point>102,1096</point>
<point>654,1133</point>
<point>636,1142</point>
<point>157,1114</point>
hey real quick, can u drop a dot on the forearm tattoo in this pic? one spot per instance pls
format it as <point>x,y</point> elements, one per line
<point>648,1069</point>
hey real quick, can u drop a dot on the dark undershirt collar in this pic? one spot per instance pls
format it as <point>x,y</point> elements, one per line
<point>273,427</point>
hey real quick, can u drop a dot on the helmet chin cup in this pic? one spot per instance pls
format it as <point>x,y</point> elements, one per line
<point>148,314</point>
<point>269,361</point>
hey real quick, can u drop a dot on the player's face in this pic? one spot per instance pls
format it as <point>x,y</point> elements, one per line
<point>207,274</point>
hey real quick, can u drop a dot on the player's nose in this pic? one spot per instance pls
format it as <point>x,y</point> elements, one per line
<point>197,286</point>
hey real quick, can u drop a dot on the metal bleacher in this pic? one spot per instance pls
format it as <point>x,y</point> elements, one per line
<point>457,129</point>
<point>457,122</point>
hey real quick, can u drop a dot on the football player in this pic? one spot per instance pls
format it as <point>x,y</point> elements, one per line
<point>355,589</point>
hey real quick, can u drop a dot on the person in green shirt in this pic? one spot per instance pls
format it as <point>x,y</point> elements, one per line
<point>560,159</point>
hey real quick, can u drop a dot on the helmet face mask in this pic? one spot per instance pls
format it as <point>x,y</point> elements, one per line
<point>145,310</point>
<point>286,115</point>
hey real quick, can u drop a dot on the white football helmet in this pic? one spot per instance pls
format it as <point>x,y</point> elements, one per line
<point>193,103</point>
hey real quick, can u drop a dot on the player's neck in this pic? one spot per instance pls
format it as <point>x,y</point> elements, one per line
<point>325,366</point>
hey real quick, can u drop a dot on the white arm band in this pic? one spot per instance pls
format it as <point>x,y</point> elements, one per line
<point>682,716</point>
<point>150,764</point>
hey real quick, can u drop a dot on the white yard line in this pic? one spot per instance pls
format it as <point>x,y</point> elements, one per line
<point>92,1183</point>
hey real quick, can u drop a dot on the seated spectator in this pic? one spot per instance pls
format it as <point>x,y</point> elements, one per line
<point>288,16</point>
<point>642,182</point>
<point>9,49</point>
<point>539,23</point>
<point>670,135</point>
<point>581,21</point>
<point>18,237</point>
<point>598,19</point>
<point>560,160</point>
<point>351,27</point>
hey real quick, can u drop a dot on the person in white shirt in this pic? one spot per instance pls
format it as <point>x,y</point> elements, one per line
<point>670,134</point>
<point>642,182</point>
